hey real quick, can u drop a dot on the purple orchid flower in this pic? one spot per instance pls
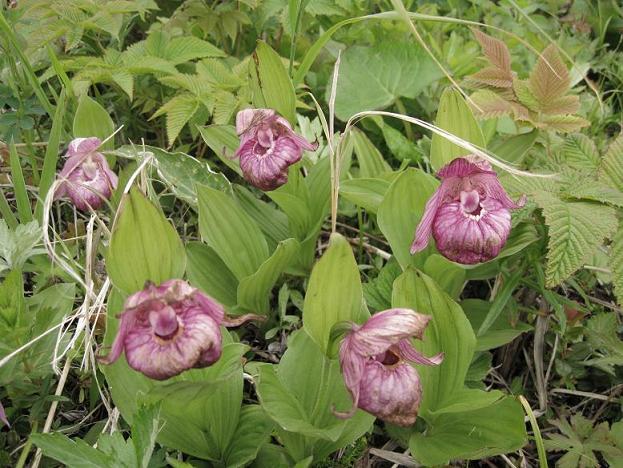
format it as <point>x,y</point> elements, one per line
<point>170,328</point>
<point>468,215</point>
<point>87,180</point>
<point>373,358</point>
<point>268,146</point>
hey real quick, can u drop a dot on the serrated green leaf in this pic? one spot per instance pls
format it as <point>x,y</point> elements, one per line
<point>616,263</point>
<point>454,116</point>
<point>611,170</point>
<point>580,152</point>
<point>576,229</point>
<point>178,111</point>
<point>144,246</point>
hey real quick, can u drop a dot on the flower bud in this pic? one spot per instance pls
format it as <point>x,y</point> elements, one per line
<point>468,215</point>
<point>268,146</point>
<point>87,180</point>
<point>168,329</point>
<point>375,364</point>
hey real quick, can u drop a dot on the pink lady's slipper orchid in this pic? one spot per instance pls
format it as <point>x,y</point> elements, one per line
<point>86,177</point>
<point>373,358</point>
<point>268,146</point>
<point>469,214</point>
<point>170,328</point>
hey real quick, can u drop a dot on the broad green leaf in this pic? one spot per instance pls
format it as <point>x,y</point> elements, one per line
<point>290,394</point>
<point>489,431</point>
<point>272,82</point>
<point>447,274</point>
<point>285,409</point>
<point>202,404</point>
<point>514,149</point>
<point>272,222</point>
<point>616,263</point>
<point>144,246</point>
<point>334,293</point>
<point>231,232</point>
<point>253,431</point>
<point>501,332</point>
<point>389,69</point>
<point>180,171</point>
<point>300,368</point>
<point>371,162</point>
<point>576,229</point>
<point>209,273</point>
<point>401,211</point>
<point>92,120</point>
<point>367,193</point>
<point>448,331</point>
<point>378,292</point>
<point>222,139</point>
<point>611,170</point>
<point>254,290</point>
<point>144,432</point>
<point>454,116</point>
<point>74,453</point>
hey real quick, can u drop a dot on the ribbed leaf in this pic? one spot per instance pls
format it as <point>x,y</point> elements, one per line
<point>334,293</point>
<point>498,55</point>
<point>576,229</point>
<point>179,110</point>
<point>401,211</point>
<point>144,246</point>
<point>92,120</point>
<point>454,116</point>
<point>616,263</point>
<point>580,152</point>
<point>272,85</point>
<point>611,170</point>
<point>371,162</point>
<point>549,79</point>
<point>254,291</point>
<point>230,231</point>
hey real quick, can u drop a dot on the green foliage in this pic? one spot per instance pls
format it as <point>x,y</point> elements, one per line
<point>542,100</point>
<point>144,246</point>
<point>455,117</point>
<point>390,70</point>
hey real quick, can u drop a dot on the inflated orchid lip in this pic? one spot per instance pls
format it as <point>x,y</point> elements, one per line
<point>86,178</point>
<point>268,146</point>
<point>468,215</point>
<point>375,361</point>
<point>168,329</point>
